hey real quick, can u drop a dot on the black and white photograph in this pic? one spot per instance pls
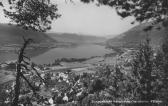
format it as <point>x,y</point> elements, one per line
<point>83,52</point>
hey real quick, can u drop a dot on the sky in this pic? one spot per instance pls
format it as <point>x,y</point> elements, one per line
<point>87,19</point>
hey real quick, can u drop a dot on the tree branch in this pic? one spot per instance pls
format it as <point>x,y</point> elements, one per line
<point>34,89</point>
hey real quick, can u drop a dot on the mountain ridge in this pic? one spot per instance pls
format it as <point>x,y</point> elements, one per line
<point>11,34</point>
<point>76,38</point>
<point>136,35</point>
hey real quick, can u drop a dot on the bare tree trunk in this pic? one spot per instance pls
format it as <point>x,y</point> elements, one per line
<point>18,76</point>
<point>17,87</point>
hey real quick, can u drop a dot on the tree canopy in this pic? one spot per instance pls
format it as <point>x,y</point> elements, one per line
<point>142,10</point>
<point>31,14</point>
<point>38,14</point>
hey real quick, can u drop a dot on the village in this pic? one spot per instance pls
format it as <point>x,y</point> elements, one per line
<point>66,82</point>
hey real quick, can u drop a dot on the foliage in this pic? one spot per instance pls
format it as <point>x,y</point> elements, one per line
<point>162,66</point>
<point>32,14</point>
<point>142,10</point>
<point>143,70</point>
<point>6,91</point>
<point>37,14</point>
<point>97,85</point>
<point>1,4</point>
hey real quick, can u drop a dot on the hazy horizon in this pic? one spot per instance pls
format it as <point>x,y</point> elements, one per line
<point>86,19</point>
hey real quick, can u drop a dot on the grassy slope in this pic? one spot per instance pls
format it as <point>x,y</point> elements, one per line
<point>13,35</point>
<point>134,36</point>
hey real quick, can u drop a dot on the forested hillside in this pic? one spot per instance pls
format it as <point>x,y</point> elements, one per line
<point>134,36</point>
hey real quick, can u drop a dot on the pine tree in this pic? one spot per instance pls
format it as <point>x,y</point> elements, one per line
<point>143,69</point>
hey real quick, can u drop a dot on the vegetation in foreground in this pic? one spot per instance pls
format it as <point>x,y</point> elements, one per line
<point>140,77</point>
<point>147,78</point>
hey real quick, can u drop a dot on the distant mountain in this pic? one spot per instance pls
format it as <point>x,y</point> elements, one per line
<point>110,36</point>
<point>76,38</point>
<point>10,34</point>
<point>134,36</point>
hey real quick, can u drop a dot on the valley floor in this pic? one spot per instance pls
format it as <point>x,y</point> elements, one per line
<point>64,78</point>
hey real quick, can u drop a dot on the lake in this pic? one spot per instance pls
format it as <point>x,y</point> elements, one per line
<point>44,57</point>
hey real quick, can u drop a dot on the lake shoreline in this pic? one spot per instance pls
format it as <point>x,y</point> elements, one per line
<point>66,51</point>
